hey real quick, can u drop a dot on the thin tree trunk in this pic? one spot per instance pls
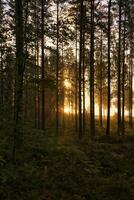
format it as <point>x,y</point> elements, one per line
<point>123,78</point>
<point>1,72</point>
<point>84,110</point>
<point>63,92</point>
<point>57,73</point>
<point>25,51</point>
<point>131,24</point>
<point>1,85</point>
<point>92,117</point>
<point>19,72</point>
<point>38,120</point>
<point>38,74</point>
<point>101,90</point>
<point>42,69</point>
<point>76,86</point>
<point>119,71</point>
<point>80,69</point>
<point>109,70</point>
<point>36,67</point>
<point>130,93</point>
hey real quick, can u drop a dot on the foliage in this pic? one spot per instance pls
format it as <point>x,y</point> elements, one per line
<point>47,169</point>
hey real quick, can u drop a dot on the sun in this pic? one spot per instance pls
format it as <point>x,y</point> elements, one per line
<point>67,109</point>
<point>67,84</point>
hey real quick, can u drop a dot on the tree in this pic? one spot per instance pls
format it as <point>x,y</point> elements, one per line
<point>2,40</point>
<point>19,69</point>
<point>109,68</point>
<point>80,68</point>
<point>130,12</point>
<point>119,69</point>
<point>92,118</point>
<point>123,76</point>
<point>101,83</point>
<point>57,73</point>
<point>42,68</point>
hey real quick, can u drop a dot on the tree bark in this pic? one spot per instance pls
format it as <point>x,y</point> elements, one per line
<point>80,69</point>
<point>76,84</point>
<point>123,77</point>
<point>109,70</point>
<point>19,71</point>
<point>84,109</point>
<point>119,71</point>
<point>42,69</point>
<point>101,83</point>
<point>92,117</point>
<point>57,73</point>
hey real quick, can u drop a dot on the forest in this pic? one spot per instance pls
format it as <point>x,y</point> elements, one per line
<point>66,99</point>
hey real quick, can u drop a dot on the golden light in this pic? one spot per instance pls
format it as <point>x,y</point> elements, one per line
<point>113,110</point>
<point>67,109</point>
<point>67,84</point>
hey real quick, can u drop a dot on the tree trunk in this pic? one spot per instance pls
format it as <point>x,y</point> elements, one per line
<point>42,69</point>
<point>25,53</point>
<point>19,71</point>
<point>131,92</point>
<point>109,70</point>
<point>92,117</point>
<point>100,88</point>
<point>1,71</point>
<point>80,69</point>
<point>119,71</point>
<point>57,73</point>
<point>84,110</point>
<point>76,86</point>
<point>123,78</point>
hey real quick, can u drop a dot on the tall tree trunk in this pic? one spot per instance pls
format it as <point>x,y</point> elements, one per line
<point>1,87</point>
<point>1,66</point>
<point>84,110</point>
<point>76,84</point>
<point>57,73</point>
<point>109,70</point>
<point>123,78</point>
<point>131,27</point>
<point>38,87</point>
<point>101,82</point>
<point>131,91</point>
<point>80,68</point>
<point>92,117</point>
<point>42,68</point>
<point>25,53</point>
<point>1,84</point>
<point>19,71</point>
<point>36,67</point>
<point>63,89</point>
<point>38,96</point>
<point>119,71</point>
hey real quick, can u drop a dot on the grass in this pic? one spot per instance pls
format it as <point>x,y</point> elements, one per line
<point>48,168</point>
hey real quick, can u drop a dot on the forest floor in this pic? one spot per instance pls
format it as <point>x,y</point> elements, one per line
<point>47,168</point>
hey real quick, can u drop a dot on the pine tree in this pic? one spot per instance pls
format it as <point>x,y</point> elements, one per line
<point>92,117</point>
<point>19,70</point>
<point>109,69</point>
<point>119,69</point>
